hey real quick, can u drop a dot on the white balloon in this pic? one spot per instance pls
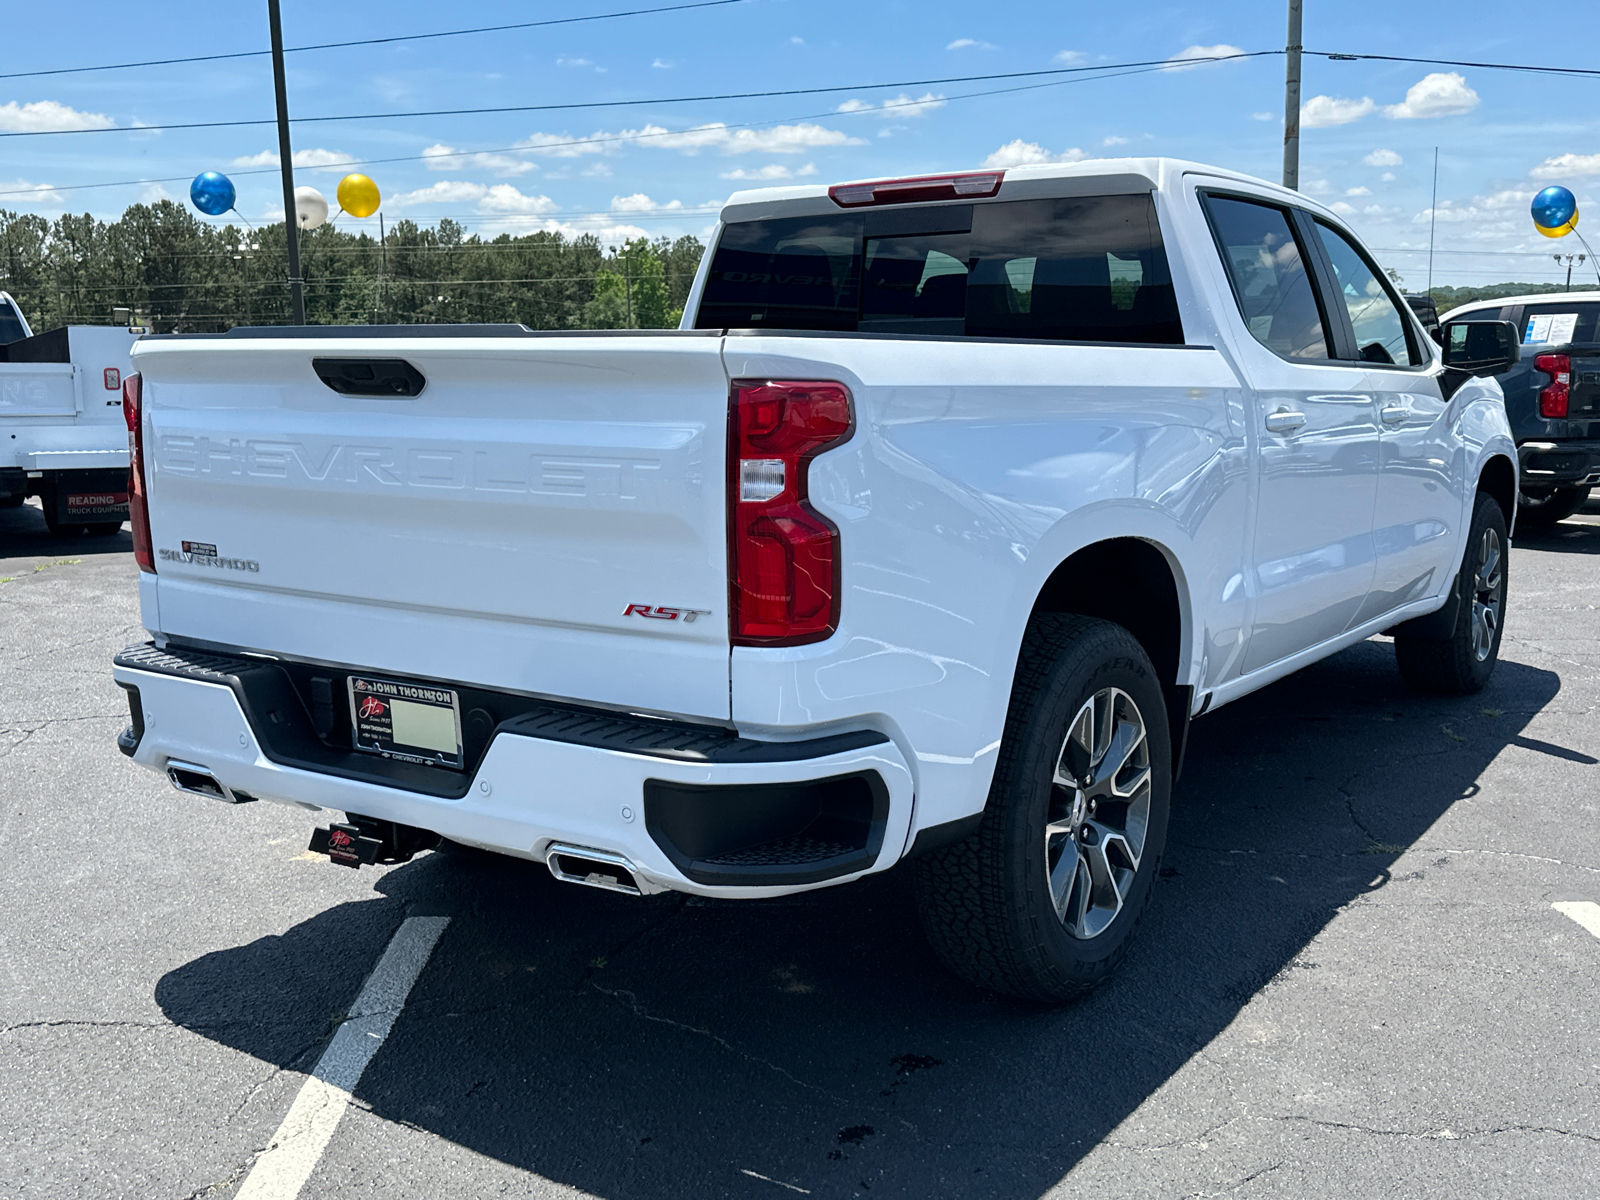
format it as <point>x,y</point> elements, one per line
<point>310,207</point>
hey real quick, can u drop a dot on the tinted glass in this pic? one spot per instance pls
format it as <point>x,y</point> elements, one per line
<point>1089,269</point>
<point>1269,277</point>
<point>1560,324</point>
<point>1381,331</point>
<point>10,324</point>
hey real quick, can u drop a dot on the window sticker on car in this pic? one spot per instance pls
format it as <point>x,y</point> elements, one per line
<point>1549,329</point>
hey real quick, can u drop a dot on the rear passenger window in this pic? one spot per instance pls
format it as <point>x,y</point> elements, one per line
<point>1268,271</point>
<point>1086,269</point>
<point>1559,324</point>
<point>1382,333</point>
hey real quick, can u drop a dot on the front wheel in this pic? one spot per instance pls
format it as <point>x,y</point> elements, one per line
<point>1555,505</point>
<point>1042,901</point>
<point>1461,663</point>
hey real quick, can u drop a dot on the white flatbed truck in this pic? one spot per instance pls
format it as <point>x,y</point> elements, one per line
<point>62,434</point>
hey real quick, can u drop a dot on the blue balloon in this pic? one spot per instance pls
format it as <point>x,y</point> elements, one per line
<point>212,193</point>
<point>1554,207</point>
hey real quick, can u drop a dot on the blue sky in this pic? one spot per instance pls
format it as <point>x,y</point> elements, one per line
<point>1371,128</point>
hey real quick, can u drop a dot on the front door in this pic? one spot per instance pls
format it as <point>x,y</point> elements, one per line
<point>1317,439</point>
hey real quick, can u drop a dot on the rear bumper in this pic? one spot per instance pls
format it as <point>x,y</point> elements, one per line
<point>1547,464</point>
<point>726,817</point>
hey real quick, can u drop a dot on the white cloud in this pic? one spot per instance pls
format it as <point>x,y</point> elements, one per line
<point>489,198</point>
<point>1388,177</point>
<point>662,64</point>
<point>1343,209</point>
<point>965,43</point>
<point>1182,60</point>
<point>565,61</point>
<point>1260,116</point>
<point>779,139</point>
<point>797,41</point>
<point>1441,94</point>
<point>1563,165</point>
<point>1027,154</point>
<point>770,172</point>
<point>1114,140</point>
<point>598,170</point>
<point>1323,112</point>
<point>312,159</point>
<point>43,116</point>
<point>1495,219</point>
<point>1070,58</point>
<point>640,203</point>
<point>440,157</point>
<point>1383,158</point>
<point>900,106</point>
<point>33,193</point>
<point>1358,191</point>
<point>1316,187</point>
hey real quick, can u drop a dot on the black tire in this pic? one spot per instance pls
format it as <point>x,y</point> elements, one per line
<point>14,500</point>
<point>104,528</point>
<point>1461,663</point>
<point>1541,512</point>
<point>63,528</point>
<point>986,902</point>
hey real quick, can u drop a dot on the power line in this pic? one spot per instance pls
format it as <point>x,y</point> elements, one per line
<point>1452,62</point>
<point>545,147</point>
<point>410,37</point>
<point>1153,64</point>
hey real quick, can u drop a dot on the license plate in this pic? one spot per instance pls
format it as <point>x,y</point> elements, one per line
<point>411,722</point>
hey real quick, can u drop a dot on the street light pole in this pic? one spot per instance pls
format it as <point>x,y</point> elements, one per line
<point>291,229</point>
<point>1291,100</point>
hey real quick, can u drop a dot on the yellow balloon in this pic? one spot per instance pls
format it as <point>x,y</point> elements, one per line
<point>358,196</point>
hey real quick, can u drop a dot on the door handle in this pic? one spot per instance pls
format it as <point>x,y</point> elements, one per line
<point>1394,414</point>
<point>1285,421</point>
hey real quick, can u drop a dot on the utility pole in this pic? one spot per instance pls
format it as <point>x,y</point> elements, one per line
<point>1291,100</point>
<point>291,226</point>
<point>1433,216</point>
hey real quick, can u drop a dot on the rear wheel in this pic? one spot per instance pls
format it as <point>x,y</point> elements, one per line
<point>1462,662</point>
<point>104,528</point>
<point>14,500</point>
<point>1042,901</point>
<point>1555,505</point>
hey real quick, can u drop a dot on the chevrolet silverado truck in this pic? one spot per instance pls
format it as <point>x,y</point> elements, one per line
<point>1552,401</point>
<point>951,503</point>
<point>62,436</point>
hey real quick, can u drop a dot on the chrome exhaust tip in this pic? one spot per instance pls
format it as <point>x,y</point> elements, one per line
<point>593,868</point>
<point>198,781</point>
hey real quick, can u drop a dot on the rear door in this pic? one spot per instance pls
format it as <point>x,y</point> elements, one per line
<point>545,516</point>
<point>1317,436</point>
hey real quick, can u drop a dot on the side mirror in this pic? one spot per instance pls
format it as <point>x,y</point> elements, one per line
<point>1481,347</point>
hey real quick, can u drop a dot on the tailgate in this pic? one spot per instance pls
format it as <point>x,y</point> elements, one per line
<point>504,527</point>
<point>1584,403</point>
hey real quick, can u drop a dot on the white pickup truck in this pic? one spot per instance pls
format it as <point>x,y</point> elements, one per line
<point>952,502</point>
<point>61,432</point>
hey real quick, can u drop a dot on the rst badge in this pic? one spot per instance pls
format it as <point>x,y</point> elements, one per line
<point>660,612</point>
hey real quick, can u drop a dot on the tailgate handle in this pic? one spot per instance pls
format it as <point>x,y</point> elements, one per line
<point>393,377</point>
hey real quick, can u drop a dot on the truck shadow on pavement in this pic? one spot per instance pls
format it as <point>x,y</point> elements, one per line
<point>1568,537</point>
<point>672,1047</point>
<point>23,534</point>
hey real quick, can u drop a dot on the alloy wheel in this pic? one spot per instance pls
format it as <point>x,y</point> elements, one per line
<point>1099,812</point>
<point>1488,594</point>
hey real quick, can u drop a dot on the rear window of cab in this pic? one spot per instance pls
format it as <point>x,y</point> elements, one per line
<point>1089,269</point>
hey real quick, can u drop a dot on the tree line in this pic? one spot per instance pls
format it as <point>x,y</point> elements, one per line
<point>159,266</point>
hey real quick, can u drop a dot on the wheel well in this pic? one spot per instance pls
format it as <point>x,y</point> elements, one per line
<point>1128,581</point>
<point>1500,481</point>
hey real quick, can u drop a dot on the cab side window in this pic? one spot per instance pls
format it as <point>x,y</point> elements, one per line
<point>1382,332</point>
<point>1268,269</point>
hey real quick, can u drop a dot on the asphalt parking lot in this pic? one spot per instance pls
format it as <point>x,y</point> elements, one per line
<point>1353,980</point>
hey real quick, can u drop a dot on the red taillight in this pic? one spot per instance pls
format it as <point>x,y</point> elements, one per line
<point>138,505</point>
<point>920,188</point>
<point>1553,399</point>
<point>783,556</point>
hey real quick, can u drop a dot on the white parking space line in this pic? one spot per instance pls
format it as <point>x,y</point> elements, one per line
<point>1584,912</point>
<point>293,1152</point>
